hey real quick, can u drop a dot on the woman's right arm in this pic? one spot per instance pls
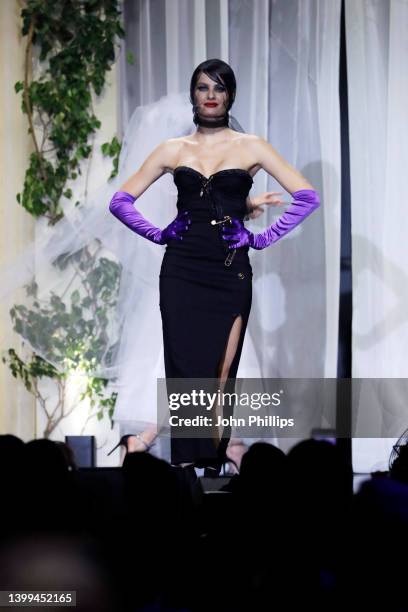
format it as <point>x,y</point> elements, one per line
<point>160,161</point>
<point>121,204</point>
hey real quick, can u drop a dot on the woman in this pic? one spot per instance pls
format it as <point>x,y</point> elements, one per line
<point>206,275</point>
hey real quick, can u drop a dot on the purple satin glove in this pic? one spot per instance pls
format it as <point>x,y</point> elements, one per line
<point>121,206</point>
<point>305,202</point>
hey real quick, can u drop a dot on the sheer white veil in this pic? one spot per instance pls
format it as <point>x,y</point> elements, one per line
<point>132,351</point>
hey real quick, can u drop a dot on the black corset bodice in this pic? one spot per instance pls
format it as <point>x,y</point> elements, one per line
<point>207,199</point>
<point>223,193</point>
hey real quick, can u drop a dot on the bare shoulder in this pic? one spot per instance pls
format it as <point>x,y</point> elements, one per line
<point>158,162</point>
<point>172,144</point>
<point>177,143</point>
<point>249,137</point>
<point>257,143</point>
<point>268,158</point>
<point>168,152</point>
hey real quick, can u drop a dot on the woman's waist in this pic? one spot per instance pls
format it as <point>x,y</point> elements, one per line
<point>216,251</point>
<point>208,216</point>
<point>202,240</point>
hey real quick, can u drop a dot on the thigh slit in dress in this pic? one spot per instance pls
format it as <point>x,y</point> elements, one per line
<point>203,288</point>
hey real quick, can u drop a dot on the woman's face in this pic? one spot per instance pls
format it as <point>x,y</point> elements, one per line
<point>211,98</point>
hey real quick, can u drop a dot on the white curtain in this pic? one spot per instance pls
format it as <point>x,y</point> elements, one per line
<point>377,52</point>
<point>286,59</point>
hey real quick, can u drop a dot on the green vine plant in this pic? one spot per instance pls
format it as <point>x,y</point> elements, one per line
<point>75,40</point>
<point>76,43</point>
<point>112,149</point>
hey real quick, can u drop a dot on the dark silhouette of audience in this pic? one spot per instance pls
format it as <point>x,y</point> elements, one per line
<point>285,533</point>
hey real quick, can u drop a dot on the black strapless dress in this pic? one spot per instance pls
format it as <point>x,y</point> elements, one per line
<point>203,288</point>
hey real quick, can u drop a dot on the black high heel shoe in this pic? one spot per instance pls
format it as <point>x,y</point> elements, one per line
<point>124,442</point>
<point>187,470</point>
<point>213,469</point>
<point>220,470</point>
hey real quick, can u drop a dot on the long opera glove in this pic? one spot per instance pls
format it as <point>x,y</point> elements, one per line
<point>121,206</point>
<point>304,203</point>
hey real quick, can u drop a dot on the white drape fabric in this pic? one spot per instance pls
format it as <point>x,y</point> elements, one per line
<point>377,52</point>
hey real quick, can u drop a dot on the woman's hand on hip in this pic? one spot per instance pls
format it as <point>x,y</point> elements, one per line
<point>175,229</point>
<point>236,234</point>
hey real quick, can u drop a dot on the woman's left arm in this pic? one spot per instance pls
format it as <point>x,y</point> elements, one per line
<point>305,199</point>
<point>274,164</point>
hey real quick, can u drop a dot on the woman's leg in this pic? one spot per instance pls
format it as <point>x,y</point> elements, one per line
<point>227,359</point>
<point>236,447</point>
<point>230,349</point>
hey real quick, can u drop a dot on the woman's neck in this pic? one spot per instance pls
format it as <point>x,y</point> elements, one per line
<point>211,135</point>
